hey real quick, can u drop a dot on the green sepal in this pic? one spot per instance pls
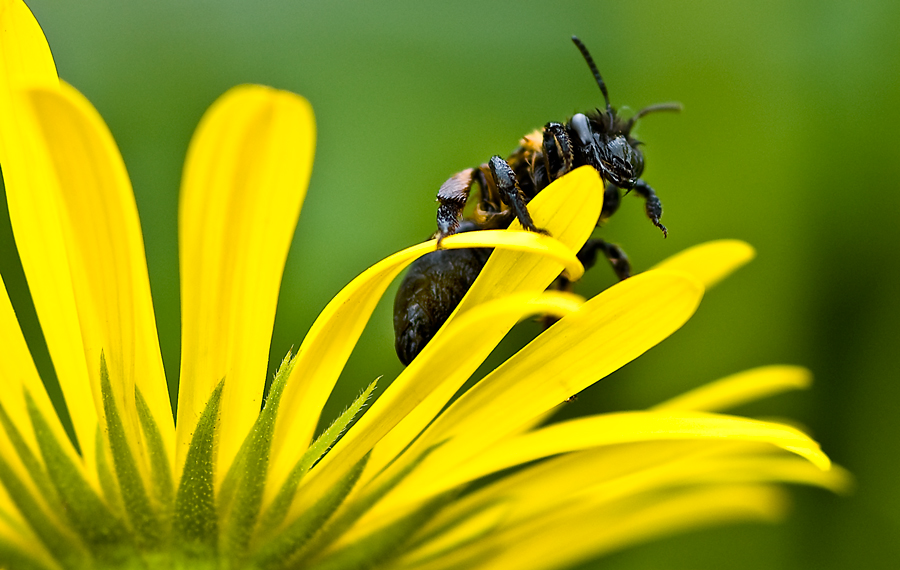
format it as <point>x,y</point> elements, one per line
<point>194,521</point>
<point>162,485</point>
<point>103,532</point>
<point>144,522</point>
<point>225,496</point>
<point>250,470</point>
<point>278,509</point>
<point>384,544</point>
<point>287,544</point>
<point>356,509</point>
<point>64,548</point>
<point>32,464</point>
<point>108,484</point>
<point>233,477</point>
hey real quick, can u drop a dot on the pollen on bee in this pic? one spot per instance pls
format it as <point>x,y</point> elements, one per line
<point>533,141</point>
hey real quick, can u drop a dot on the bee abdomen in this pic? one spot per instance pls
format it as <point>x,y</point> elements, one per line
<point>431,290</point>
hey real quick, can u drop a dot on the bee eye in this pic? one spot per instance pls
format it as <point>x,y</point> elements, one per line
<point>582,128</point>
<point>637,162</point>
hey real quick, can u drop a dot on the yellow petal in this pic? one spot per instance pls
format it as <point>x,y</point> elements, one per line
<point>25,59</point>
<point>446,543</point>
<point>522,243</point>
<point>331,339</point>
<point>609,331</point>
<point>740,388</point>
<point>629,427</point>
<point>442,473</point>
<point>16,531</point>
<point>710,262</point>
<point>757,468</point>
<point>105,252</point>
<point>568,209</point>
<point>613,473</point>
<point>19,375</point>
<point>432,379</point>
<point>571,475</point>
<point>245,178</point>
<point>583,530</point>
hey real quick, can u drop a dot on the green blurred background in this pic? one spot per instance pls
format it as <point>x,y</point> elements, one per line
<point>789,140</point>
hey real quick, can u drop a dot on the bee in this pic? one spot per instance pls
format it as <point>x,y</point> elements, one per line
<point>436,282</point>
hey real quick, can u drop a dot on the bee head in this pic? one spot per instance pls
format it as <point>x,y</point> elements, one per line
<point>622,163</point>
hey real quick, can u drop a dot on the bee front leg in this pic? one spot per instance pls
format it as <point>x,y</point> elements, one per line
<point>452,196</point>
<point>557,149</point>
<point>654,207</point>
<point>510,193</point>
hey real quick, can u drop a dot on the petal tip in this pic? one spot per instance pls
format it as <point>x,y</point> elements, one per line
<point>712,261</point>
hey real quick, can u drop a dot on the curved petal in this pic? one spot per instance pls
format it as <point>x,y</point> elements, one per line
<point>334,334</point>
<point>105,251</point>
<point>568,208</point>
<point>245,178</point>
<point>20,376</point>
<point>441,370</point>
<point>740,388</point>
<point>437,475</point>
<point>78,235</point>
<point>26,61</point>
<point>641,466</point>
<point>609,474</point>
<point>25,58</point>
<point>609,331</point>
<point>15,532</point>
<point>569,535</point>
<point>34,215</point>
<point>710,262</point>
<point>614,429</point>
<point>444,366</point>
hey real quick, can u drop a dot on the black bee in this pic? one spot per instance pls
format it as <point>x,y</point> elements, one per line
<point>436,282</point>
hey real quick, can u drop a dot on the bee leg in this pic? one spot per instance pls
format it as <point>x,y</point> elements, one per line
<point>654,207</point>
<point>617,258</point>
<point>452,196</point>
<point>488,196</point>
<point>612,197</point>
<point>557,151</point>
<point>510,192</point>
<point>587,255</point>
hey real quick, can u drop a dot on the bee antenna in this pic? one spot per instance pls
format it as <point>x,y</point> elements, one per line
<point>590,61</point>
<point>652,109</point>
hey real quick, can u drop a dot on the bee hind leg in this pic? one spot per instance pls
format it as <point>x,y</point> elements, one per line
<point>613,253</point>
<point>587,255</point>
<point>453,195</point>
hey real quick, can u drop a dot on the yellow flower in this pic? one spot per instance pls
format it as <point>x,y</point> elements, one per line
<point>228,486</point>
